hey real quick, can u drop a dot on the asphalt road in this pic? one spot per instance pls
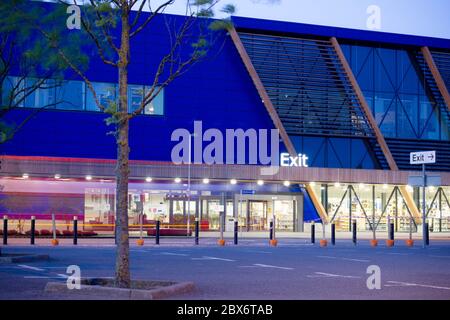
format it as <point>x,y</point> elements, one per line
<point>294,270</point>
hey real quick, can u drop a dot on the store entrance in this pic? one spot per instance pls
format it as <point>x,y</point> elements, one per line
<point>257,215</point>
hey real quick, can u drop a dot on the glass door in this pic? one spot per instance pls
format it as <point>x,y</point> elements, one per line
<point>257,215</point>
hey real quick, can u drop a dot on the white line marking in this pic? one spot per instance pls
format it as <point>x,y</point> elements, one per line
<point>65,276</point>
<point>174,254</point>
<point>356,260</point>
<point>247,266</point>
<point>407,284</point>
<point>269,266</point>
<point>24,266</point>
<point>346,259</point>
<point>212,258</point>
<point>256,251</point>
<point>332,275</point>
<point>41,277</point>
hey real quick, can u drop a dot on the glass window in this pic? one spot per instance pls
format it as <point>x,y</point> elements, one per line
<point>363,63</point>
<point>135,96</point>
<point>429,119</point>
<point>404,124</point>
<point>70,95</point>
<point>106,94</point>
<point>156,107</point>
<point>10,90</point>
<point>385,67</point>
<point>40,94</point>
<point>385,113</point>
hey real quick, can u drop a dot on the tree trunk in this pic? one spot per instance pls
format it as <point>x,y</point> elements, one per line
<point>123,279</point>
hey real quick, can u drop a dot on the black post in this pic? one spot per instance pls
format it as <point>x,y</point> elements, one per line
<point>271,230</point>
<point>33,228</point>
<point>235,231</point>
<point>157,232</point>
<point>391,231</point>
<point>354,232</point>
<point>427,234</point>
<point>333,233</point>
<point>75,230</point>
<point>313,232</point>
<point>5,230</point>
<point>197,225</point>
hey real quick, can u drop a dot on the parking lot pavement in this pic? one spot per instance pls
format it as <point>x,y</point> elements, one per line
<point>294,270</point>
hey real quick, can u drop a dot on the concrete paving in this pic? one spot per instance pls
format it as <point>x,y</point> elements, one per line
<point>252,270</point>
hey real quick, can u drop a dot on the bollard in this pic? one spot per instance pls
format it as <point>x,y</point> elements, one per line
<point>54,241</point>
<point>197,226</point>
<point>33,228</point>
<point>235,231</point>
<point>391,231</point>
<point>427,234</point>
<point>157,232</point>
<point>333,233</point>
<point>271,230</point>
<point>313,232</point>
<point>75,230</point>
<point>5,230</point>
<point>354,232</point>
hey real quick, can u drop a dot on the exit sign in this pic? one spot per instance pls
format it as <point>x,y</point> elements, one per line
<point>422,157</point>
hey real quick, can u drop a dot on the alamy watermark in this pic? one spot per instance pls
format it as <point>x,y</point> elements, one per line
<point>74,20</point>
<point>374,20</point>
<point>74,279</point>
<point>234,146</point>
<point>374,280</point>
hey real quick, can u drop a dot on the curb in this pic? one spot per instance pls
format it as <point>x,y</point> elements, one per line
<point>24,258</point>
<point>121,293</point>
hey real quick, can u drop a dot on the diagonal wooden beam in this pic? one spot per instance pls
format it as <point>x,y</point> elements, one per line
<point>373,123</point>
<point>436,75</point>
<point>273,114</point>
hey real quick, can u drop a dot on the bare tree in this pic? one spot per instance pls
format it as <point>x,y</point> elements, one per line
<point>99,20</point>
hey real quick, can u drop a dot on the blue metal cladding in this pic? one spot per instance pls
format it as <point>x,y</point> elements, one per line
<point>217,91</point>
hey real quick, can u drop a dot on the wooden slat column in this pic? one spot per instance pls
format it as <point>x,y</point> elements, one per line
<point>273,114</point>
<point>436,75</point>
<point>379,136</point>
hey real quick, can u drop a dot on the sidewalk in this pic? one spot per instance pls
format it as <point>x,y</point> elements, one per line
<point>210,239</point>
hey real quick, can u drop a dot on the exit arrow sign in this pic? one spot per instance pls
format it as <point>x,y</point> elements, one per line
<point>422,157</point>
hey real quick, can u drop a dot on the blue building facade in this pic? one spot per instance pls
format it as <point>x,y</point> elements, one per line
<point>311,92</point>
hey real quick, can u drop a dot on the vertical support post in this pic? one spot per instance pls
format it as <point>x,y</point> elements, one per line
<point>235,231</point>
<point>313,232</point>
<point>33,229</point>
<point>75,230</point>
<point>5,230</point>
<point>271,230</point>
<point>410,227</point>
<point>391,230</point>
<point>373,214</point>
<point>157,232</point>
<point>54,226</point>
<point>350,208</point>
<point>333,233</point>
<point>197,226</point>
<point>354,239</point>
<point>426,241</point>
<point>440,209</point>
